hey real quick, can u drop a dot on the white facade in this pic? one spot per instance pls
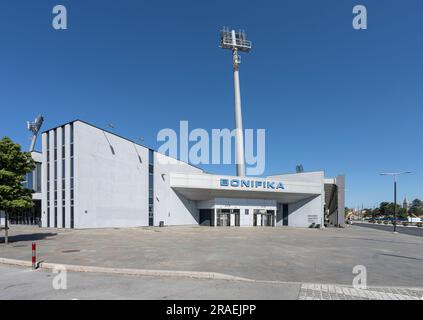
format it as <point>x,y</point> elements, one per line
<point>96,179</point>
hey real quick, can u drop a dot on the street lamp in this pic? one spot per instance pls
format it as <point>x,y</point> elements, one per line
<point>395,174</point>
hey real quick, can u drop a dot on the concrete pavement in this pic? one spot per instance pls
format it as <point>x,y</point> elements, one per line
<point>23,283</point>
<point>270,254</point>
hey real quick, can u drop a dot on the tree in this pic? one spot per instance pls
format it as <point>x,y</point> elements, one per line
<point>14,165</point>
<point>387,209</point>
<point>384,208</point>
<point>416,207</point>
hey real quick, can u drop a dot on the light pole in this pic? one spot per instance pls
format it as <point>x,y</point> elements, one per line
<point>236,42</point>
<point>395,174</point>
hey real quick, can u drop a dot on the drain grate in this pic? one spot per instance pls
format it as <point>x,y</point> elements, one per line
<point>70,251</point>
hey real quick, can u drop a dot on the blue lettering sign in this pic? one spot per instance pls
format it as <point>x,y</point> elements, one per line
<point>252,184</point>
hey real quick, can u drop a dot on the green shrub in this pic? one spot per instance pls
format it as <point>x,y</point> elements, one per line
<point>405,223</point>
<point>419,224</point>
<point>379,221</point>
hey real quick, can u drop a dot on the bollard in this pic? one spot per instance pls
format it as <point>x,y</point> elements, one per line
<point>34,257</point>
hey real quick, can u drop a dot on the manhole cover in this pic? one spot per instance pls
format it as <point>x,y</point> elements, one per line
<point>70,251</point>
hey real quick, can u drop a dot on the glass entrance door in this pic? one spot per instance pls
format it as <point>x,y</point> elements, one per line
<point>264,218</point>
<point>225,216</point>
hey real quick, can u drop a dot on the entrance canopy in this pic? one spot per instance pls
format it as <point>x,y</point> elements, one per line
<point>206,186</point>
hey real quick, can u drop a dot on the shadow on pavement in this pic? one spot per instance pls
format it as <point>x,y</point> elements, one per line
<point>28,237</point>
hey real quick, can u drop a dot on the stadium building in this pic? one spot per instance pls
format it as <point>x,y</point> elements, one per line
<point>92,178</point>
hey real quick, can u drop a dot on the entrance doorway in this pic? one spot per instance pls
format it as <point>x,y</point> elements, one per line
<point>264,218</point>
<point>206,217</point>
<point>227,217</point>
<point>285,214</point>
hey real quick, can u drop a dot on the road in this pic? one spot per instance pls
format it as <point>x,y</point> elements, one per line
<point>23,283</point>
<point>412,231</point>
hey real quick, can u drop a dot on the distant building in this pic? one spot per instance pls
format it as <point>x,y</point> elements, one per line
<point>405,204</point>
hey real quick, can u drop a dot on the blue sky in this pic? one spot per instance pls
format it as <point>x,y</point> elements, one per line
<point>330,97</point>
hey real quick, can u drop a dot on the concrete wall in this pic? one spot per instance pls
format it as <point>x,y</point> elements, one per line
<point>302,213</point>
<point>111,180</point>
<point>169,206</point>
<point>340,183</point>
<point>62,203</point>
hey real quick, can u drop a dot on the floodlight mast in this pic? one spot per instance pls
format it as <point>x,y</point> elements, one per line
<point>34,127</point>
<point>236,41</point>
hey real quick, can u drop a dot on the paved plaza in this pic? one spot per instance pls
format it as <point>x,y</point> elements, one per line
<point>266,254</point>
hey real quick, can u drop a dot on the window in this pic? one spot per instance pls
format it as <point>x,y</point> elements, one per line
<point>38,177</point>
<point>247,212</point>
<point>63,217</point>
<point>71,133</point>
<point>63,178</point>
<point>71,218</point>
<point>151,157</point>
<point>55,217</point>
<point>48,178</point>
<point>150,187</point>
<point>72,173</point>
<point>29,184</point>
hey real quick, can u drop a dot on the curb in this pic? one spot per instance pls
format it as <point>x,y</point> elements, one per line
<point>124,271</point>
